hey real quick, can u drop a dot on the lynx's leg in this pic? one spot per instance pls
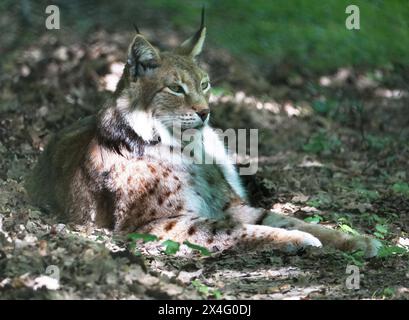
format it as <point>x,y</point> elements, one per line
<point>229,234</point>
<point>334,238</point>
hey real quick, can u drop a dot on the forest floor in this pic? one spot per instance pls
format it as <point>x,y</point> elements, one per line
<point>333,149</point>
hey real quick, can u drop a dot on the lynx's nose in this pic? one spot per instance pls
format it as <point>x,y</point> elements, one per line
<point>203,114</point>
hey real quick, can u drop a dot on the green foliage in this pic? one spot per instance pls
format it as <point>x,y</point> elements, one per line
<point>388,292</point>
<point>322,142</point>
<point>347,229</point>
<point>372,219</point>
<point>316,219</point>
<point>367,194</point>
<point>134,237</point>
<point>376,142</point>
<point>217,294</point>
<point>349,112</point>
<point>134,249</point>
<point>205,291</point>
<point>314,203</point>
<point>303,33</point>
<point>401,188</point>
<point>201,249</point>
<point>362,191</point>
<point>171,247</point>
<point>377,218</point>
<point>321,200</point>
<point>385,293</point>
<point>390,250</point>
<point>324,107</point>
<point>342,218</point>
<point>220,91</point>
<point>268,184</point>
<point>356,258</point>
<point>145,237</point>
<point>381,231</point>
<point>344,224</point>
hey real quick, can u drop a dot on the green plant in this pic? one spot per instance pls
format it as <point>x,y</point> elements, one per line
<point>373,219</point>
<point>388,292</point>
<point>366,194</point>
<point>204,251</point>
<point>171,247</point>
<point>324,107</point>
<point>377,143</point>
<point>205,291</point>
<point>322,142</point>
<point>344,225</point>
<point>316,218</point>
<point>134,237</point>
<point>145,237</point>
<point>321,200</point>
<point>401,188</point>
<point>356,258</point>
<point>391,250</point>
<point>347,229</point>
<point>381,231</point>
<point>385,293</point>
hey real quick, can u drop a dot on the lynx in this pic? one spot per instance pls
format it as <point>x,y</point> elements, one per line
<point>115,169</point>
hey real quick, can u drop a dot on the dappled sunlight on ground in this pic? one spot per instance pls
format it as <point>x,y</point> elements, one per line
<point>240,97</point>
<point>111,79</point>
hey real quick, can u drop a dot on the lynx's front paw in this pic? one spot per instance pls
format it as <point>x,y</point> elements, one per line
<point>300,240</point>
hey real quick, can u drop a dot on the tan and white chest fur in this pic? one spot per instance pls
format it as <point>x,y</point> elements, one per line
<point>163,182</point>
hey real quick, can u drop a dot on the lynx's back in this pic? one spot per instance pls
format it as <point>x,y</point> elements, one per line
<point>48,183</point>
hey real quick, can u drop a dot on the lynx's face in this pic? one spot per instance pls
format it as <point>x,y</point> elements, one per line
<point>179,92</point>
<point>169,87</point>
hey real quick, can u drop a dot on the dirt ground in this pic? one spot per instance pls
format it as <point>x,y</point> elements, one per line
<point>332,149</point>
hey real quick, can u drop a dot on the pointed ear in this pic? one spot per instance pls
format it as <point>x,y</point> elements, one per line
<point>143,58</point>
<point>193,46</point>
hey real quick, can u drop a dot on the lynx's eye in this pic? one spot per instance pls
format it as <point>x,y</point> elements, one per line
<point>205,85</point>
<point>176,89</point>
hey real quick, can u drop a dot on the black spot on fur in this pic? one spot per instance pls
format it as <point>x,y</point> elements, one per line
<point>226,206</point>
<point>169,226</point>
<point>191,230</point>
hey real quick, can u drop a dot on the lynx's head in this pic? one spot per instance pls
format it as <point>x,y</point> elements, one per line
<point>170,87</point>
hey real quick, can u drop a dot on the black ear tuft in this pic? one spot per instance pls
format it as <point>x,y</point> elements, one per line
<point>136,28</point>
<point>193,46</point>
